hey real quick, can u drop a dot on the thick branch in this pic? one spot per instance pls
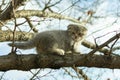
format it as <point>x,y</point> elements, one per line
<point>20,36</point>
<point>29,13</point>
<point>32,61</point>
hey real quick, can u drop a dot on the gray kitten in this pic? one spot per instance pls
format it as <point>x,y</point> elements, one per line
<point>55,41</point>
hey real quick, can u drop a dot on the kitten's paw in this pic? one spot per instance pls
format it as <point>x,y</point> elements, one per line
<point>60,51</point>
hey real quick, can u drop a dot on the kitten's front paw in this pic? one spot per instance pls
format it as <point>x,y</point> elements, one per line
<point>60,51</point>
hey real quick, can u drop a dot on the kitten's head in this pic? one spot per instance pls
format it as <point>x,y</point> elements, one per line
<point>77,32</point>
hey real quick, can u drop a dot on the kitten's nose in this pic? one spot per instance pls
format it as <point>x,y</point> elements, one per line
<point>76,36</point>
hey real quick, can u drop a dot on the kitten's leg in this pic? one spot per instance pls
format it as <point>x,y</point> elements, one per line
<point>58,51</point>
<point>53,49</point>
<point>49,45</point>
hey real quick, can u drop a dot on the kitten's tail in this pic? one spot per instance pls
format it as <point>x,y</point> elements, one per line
<point>23,45</point>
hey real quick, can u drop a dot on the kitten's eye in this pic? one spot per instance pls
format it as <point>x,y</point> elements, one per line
<point>73,32</point>
<point>79,34</point>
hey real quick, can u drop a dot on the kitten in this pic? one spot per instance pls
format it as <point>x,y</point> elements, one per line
<point>55,41</point>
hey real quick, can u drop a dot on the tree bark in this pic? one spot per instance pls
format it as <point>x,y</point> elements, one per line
<point>7,35</point>
<point>34,61</point>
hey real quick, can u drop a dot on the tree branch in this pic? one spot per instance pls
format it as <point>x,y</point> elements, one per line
<point>93,46</point>
<point>29,13</point>
<point>20,36</point>
<point>31,25</point>
<point>105,44</point>
<point>32,61</point>
<point>7,13</point>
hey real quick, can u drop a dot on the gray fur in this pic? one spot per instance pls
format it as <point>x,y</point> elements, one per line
<point>55,41</point>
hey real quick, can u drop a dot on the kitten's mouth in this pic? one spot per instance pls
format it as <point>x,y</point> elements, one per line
<point>77,39</point>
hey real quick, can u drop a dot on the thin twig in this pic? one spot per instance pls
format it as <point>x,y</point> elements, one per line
<point>13,50</point>
<point>35,75</point>
<point>31,25</point>
<point>104,44</point>
<point>111,48</point>
<point>69,73</point>
<point>80,72</point>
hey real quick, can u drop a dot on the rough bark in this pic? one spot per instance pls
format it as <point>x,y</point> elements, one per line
<point>32,61</point>
<point>20,36</point>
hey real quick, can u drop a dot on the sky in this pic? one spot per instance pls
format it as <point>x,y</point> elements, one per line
<point>99,27</point>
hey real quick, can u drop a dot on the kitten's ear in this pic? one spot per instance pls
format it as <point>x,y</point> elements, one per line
<point>70,27</point>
